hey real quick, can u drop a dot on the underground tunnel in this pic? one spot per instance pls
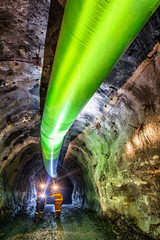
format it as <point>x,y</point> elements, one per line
<point>105,156</point>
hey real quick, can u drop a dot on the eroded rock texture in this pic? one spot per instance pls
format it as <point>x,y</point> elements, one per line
<point>120,159</point>
<point>113,156</point>
<point>23,30</point>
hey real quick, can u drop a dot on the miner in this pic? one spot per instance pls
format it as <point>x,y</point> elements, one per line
<point>40,203</point>
<point>58,199</point>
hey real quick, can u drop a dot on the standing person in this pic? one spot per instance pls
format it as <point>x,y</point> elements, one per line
<point>40,204</point>
<point>58,199</point>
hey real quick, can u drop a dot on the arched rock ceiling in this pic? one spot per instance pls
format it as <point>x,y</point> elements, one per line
<point>27,29</point>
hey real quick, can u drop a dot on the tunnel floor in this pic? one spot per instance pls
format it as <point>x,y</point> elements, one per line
<point>75,224</point>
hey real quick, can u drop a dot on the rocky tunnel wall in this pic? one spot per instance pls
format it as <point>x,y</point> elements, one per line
<point>113,155</point>
<point>20,178</point>
<point>23,27</point>
<point>120,157</point>
<point>23,59</point>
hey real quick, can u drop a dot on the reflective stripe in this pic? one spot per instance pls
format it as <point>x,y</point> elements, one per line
<point>40,197</point>
<point>59,199</point>
<point>58,210</point>
<point>41,212</point>
<point>56,195</point>
<point>36,212</point>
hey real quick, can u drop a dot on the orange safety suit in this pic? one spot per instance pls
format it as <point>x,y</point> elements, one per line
<point>58,199</point>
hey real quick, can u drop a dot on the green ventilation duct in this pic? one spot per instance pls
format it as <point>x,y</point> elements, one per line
<point>94,34</point>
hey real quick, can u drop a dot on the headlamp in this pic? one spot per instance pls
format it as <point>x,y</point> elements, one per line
<point>42,186</point>
<point>55,187</point>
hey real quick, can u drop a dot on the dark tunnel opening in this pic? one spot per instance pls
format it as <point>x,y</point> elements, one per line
<point>111,171</point>
<point>64,186</point>
<point>20,188</point>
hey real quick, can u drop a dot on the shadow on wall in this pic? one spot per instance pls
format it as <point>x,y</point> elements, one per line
<point>54,24</point>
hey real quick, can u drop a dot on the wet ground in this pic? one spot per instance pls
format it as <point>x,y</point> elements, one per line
<point>75,224</point>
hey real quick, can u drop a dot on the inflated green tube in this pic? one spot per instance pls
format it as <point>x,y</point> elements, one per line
<point>93,36</point>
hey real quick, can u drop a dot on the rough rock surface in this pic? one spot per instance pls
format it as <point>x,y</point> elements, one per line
<point>75,224</point>
<point>113,157</point>
<point>23,29</point>
<point>120,160</point>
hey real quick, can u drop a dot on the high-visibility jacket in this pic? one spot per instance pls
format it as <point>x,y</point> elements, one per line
<point>40,202</point>
<point>58,199</point>
<point>41,196</point>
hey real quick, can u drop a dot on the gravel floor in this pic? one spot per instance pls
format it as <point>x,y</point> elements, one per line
<point>75,224</point>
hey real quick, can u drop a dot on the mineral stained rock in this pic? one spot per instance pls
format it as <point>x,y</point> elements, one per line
<point>111,153</point>
<point>120,159</point>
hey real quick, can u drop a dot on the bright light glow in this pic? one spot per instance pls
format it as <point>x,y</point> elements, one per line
<point>55,187</point>
<point>155,157</point>
<point>149,131</point>
<point>129,149</point>
<point>43,195</point>
<point>56,129</point>
<point>137,141</point>
<point>52,162</point>
<point>42,186</point>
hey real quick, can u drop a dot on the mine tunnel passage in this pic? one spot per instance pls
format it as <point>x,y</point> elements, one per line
<point>64,186</point>
<point>111,164</point>
<point>22,178</point>
<point>76,222</point>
